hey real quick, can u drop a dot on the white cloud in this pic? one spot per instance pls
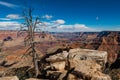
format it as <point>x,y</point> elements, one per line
<point>8,4</point>
<point>10,25</point>
<point>52,24</point>
<point>74,28</point>
<point>54,27</point>
<point>13,16</point>
<point>6,19</point>
<point>59,21</point>
<point>46,23</point>
<point>47,16</point>
<point>59,26</point>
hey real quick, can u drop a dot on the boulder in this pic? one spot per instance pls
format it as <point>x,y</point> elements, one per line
<point>58,57</point>
<point>86,54</point>
<point>79,63</point>
<point>82,54</point>
<point>60,66</point>
<point>9,78</point>
<point>88,69</point>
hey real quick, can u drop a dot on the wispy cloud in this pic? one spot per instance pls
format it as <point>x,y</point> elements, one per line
<point>52,26</point>
<point>48,17</point>
<point>5,19</point>
<point>60,26</point>
<point>59,21</point>
<point>10,5</point>
<point>9,25</point>
<point>13,16</point>
<point>74,28</point>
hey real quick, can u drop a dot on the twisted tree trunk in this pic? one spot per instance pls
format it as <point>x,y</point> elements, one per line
<point>29,39</point>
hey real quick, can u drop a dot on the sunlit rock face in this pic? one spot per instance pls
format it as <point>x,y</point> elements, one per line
<point>107,41</point>
<point>58,57</point>
<point>86,64</point>
<point>86,54</point>
<point>81,54</point>
<point>88,70</point>
<point>73,64</point>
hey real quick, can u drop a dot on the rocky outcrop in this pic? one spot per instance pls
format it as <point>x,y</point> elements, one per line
<point>58,57</point>
<point>88,70</point>
<point>72,64</point>
<point>81,54</point>
<point>85,54</point>
<point>78,64</point>
<point>111,45</point>
<point>57,64</point>
<point>107,41</point>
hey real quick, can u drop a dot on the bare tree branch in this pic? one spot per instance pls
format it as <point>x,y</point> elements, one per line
<point>29,39</point>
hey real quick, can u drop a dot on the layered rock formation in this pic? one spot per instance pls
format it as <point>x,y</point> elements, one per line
<point>80,63</point>
<point>107,41</point>
<point>73,64</point>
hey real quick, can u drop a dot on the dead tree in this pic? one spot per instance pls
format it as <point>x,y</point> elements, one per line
<point>30,23</point>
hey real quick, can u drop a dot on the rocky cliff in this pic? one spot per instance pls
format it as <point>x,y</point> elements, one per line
<point>80,63</point>
<point>107,41</point>
<point>73,64</point>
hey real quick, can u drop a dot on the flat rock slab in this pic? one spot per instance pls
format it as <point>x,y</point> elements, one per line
<point>9,78</point>
<point>86,54</point>
<point>81,54</point>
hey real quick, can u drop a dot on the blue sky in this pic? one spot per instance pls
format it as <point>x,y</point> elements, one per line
<point>64,15</point>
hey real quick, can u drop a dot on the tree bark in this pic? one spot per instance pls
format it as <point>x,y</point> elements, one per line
<point>30,38</point>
